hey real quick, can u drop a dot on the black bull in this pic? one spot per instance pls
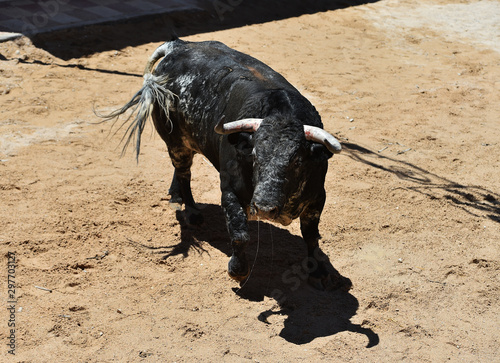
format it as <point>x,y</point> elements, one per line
<point>272,154</point>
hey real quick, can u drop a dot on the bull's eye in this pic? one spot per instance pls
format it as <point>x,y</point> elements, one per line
<point>297,162</point>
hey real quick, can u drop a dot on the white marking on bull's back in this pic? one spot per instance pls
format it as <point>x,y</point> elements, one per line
<point>185,81</point>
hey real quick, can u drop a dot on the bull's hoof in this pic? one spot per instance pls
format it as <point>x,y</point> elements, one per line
<point>174,205</point>
<point>175,201</point>
<point>239,278</point>
<point>237,268</point>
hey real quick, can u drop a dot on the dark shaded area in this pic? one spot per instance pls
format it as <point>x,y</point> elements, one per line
<point>475,200</point>
<point>217,15</point>
<point>277,259</point>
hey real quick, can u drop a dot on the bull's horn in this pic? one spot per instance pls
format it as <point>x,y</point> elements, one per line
<point>244,125</point>
<point>321,136</point>
<point>312,133</point>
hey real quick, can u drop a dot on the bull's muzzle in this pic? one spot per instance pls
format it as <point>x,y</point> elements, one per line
<point>264,212</point>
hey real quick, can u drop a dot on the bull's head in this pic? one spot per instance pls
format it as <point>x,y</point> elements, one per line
<point>283,162</point>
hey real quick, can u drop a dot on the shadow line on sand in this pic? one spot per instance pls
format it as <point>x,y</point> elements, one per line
<point>475,200</point>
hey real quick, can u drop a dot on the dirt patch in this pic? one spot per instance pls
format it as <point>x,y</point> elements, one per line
<point>412,215</point>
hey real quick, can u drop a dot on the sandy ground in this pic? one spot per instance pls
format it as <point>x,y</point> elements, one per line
<point>412,215</point>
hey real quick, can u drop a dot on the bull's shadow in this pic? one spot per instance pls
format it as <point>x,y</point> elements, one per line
<point>277,259</point>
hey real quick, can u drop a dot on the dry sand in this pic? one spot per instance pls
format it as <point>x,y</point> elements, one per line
<point>412,215</point>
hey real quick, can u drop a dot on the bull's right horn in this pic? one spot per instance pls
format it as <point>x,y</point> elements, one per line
<point>244,125</point>
<point>321,136</point>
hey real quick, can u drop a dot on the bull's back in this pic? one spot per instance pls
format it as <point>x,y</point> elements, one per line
<point>212,80</point>
<point>214,65</point>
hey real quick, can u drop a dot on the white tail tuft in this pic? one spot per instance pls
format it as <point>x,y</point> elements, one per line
<point>153,93</point>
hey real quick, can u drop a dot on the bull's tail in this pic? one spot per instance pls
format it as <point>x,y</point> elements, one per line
<point>159,53</point>
<point>153,93</point>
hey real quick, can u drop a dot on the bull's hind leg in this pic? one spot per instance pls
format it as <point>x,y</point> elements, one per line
<point>175,193</point>
<point>182,159</point>
<point>180,189</point>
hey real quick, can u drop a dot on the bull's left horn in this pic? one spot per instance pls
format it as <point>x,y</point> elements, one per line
<point>244,125</point>
<point>317,134</point>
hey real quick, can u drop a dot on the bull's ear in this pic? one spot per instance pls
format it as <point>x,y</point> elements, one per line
<point>243,141</point>
<point>320,151</point>
<point>239,137</point>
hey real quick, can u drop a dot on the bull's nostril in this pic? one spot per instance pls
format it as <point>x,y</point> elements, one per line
<point>264,211</point>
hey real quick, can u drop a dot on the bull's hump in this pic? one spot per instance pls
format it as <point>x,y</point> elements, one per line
<point>256,73</point>
<point>223,57</point>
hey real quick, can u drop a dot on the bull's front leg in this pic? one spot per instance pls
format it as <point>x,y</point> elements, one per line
<point>237,226</point>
